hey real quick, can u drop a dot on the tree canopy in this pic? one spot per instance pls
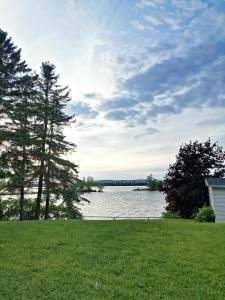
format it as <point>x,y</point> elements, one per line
<point>184,183</point>
<point>153,183</point>
<point>33,146</point>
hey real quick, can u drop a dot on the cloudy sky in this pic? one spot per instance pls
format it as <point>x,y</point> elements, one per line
<point>145,75</point>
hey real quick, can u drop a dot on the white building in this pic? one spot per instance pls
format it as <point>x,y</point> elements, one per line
<point>216,188</point>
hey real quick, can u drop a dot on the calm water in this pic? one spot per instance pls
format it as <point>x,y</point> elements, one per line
<point>121,201</point>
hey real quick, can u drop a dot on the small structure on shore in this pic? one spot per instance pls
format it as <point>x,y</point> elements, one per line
<point>216,188</point>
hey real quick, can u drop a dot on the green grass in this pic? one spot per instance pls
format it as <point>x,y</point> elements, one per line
<point>164,259</point>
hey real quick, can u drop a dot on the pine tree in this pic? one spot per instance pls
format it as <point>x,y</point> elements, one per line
<point>16,96</point>
<point>53,169</point>
<point>58,146</point>
<point>32,143</point>
<point>46,82</point>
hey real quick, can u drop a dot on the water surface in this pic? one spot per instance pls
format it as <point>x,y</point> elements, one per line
<point>122,201</point>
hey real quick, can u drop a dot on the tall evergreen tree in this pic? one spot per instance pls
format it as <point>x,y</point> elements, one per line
<point>57,146</point>
<point>52,120</point>
<point>46,83</point>
<point>16,94</point>
<point>32,143</point>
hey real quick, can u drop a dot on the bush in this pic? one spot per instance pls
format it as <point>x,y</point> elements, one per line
<point>168,214</point>
<point>9,210</point>
<point>205,214</point>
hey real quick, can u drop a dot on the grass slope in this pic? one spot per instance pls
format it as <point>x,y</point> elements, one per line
<point>164,259</point>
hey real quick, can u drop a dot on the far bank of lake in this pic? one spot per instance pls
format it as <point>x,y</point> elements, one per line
<point>122,201</point>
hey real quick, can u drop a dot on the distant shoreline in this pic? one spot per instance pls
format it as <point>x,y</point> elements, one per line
<point>145,189</point>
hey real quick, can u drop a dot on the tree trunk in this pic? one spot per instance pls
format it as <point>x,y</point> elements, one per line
<point>23,174</point>
<point>47,186</point>
<point>47,180</point>
<point>47,200</point>
<point>39,193</point>
<point>21,203</point>
<point>42,166</point>
<point>47,190</point>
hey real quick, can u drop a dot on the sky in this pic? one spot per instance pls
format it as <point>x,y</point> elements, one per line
<point>145,75</point>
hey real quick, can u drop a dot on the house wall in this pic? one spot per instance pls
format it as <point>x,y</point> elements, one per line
<point>218,203</point>
<point>211,197</point>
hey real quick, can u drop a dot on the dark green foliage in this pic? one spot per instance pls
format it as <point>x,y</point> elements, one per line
<point>32,142</point>
<point>205,214</point>
<point>53,170</point>
<point>168,214</point>
<point>9,210</point>
<point>86,185</point>
<point>184,183</point>
<point>154,184</point>
<point>16,99</point>
<point>13,71</point>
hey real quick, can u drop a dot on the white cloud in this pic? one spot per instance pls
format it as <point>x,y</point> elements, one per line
<point>169,51</point>
<point>149,3</point>
<point>137,25</point>
<point>172,22</point>
<point>152,20</point>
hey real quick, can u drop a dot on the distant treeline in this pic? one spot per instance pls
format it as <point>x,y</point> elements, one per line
<point>151,182</point>
<point>121,182</point>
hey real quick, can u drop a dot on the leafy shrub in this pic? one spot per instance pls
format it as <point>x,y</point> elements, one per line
<point>205,214</point>
<point>168,214</point>
<point>9,210</point>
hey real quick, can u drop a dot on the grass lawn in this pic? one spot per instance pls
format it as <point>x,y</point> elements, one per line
<point>162,259</point>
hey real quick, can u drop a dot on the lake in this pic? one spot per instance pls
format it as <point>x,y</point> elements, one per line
<point>122,201</point>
